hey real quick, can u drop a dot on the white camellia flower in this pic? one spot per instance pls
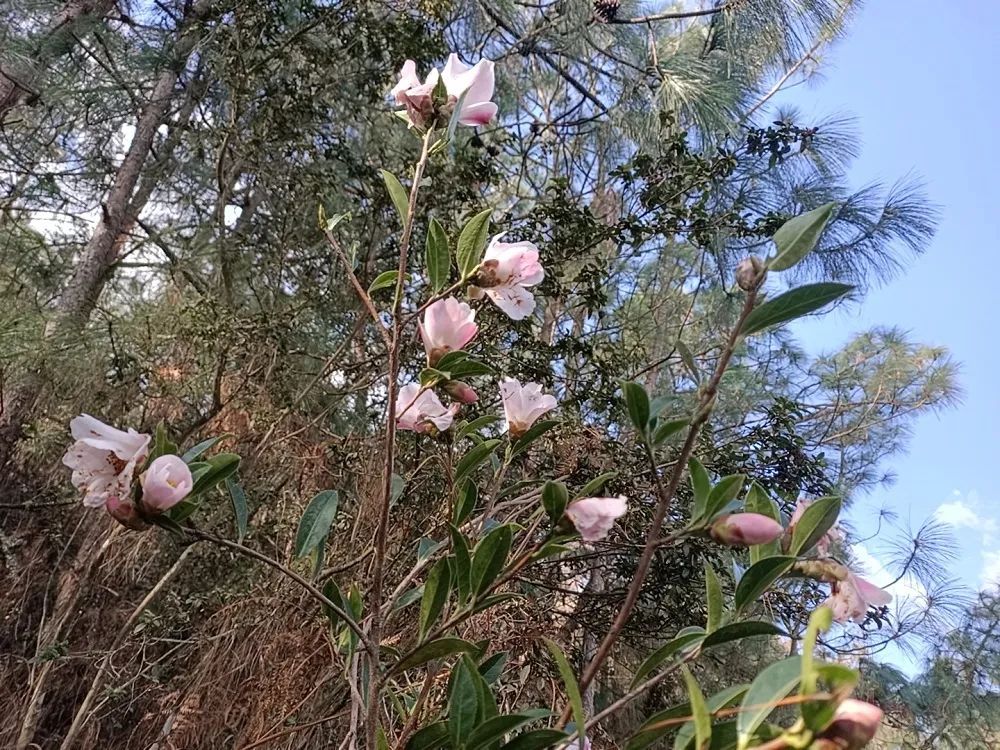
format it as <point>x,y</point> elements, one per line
<point>508,269</point>
<point>448,325</point>
<point>420,410</point>
<point>523,405</point>
<point>104,459</point>
<point>593,517</point>
<point>852,597</point>
<point>165,483</point>
<point>477,83</point>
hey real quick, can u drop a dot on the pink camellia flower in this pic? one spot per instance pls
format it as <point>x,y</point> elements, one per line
<point>851,598</point>
<point>508,269</point>
<point>523,404</point>
<point>125,513</point>
<point>461,392</point>
<point>827,541</point>
<point>855,724</point>
<point>421,410</point>
<point>448,325</point>
<point>579,744</point>
<point>417,97</point>
<point>103,459</point>
<point>476,83</point>
<point>743,529</point>
<point>165,483</point>
<point>593,517</point>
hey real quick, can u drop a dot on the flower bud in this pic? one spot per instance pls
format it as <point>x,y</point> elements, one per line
<point>750,273</point>
<point>461,392</point>
<point>826,570</point>
<point>165,483</point>
<point>854,725</point>
<point>124,512</point>
<point>742,529</point>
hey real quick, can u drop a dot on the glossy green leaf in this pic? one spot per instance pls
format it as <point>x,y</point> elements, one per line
<point>817,519</point>
<point>332,592</point>
<point>727,489</point>
<point>555,497</point>
<point>494,729</point>
<point>465,501</point>
<point>637,403</point>
<point>521,444</point>
<point>738,630</point>
<point>475,425</point>
<point>432,737</point>
<point>758,577</point>
<point>758,501</point>
<point>490,557</point>
<point>536,739</point>
<point>396,486</point>
<point>241,512</point>
<point>591,488</point>
<point>384,280</point>
<point>438,256</point>
<point>699,714</point>
<point>772,685</point>
<point>397,193</point>
<point>462,561</point>
<point>162,444</point>
<point>684,640</point>
<point>463,704</point>
<point>793,304</point>
<point>492,668</point>
<point>669,428</point>
<point>797,237</point>
<point>476,455</point>
<point>220,467</point>
<point>717,702</point>
<point>436,590</point>
<point>472,242</point>
<point>701,487</point>
<point>316,521</point>
<point>572,687</point>
<point>713,598</point>
<point>195,451</point>
<point>436,649</point>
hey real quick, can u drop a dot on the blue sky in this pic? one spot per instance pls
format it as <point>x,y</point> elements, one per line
<point>919,79</point>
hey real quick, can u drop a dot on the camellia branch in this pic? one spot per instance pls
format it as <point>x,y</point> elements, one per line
<point>392,389</point>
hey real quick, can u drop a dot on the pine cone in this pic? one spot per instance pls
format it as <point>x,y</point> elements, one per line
<point>606,10</point>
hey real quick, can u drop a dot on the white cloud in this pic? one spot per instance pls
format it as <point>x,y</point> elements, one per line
<point>989,576</point>
<point>963,513</point>
<point>956,513</point>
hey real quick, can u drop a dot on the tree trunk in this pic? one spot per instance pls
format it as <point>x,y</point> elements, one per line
<point>17,84</point>
<point>120,208</point>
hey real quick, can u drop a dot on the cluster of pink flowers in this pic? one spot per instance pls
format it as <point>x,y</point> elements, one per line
<point>476,83</point>
<point>104,461</point>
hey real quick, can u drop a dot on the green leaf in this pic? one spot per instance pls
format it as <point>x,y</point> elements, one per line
<point>489,557</point>
<point>162,444</point>
<point>683,640</point>
<point>332,592</point>
<point>521,444</point>
<point>724,492</point>
<point>469,368</point>
<point>595,484</point>
<point>671,427</point>
<point>701,487</point>
<point>572,687</point>
<point>793,304</point>
<point>817,519</point>
<point>316,521</point>
<point>463,563</point>
<point>195,451</point>
<point>475,425</point>
<point>713,597</point>
<point>758,501</point>
<point>466,502</point>
<point>536,739</point>
<point>815,713</point>
<point>432,737</point>
<point>699,714</point>
<point>492,668</point>
<point>688,359</point>
<point>436,649</point>
<point>431,376</point>
<point>438,256</point>
<point>637,403</point>
<point>220,467</point>
<point>797,237</point>
<point>383,280</point>
<point>397,193</point>
<point>472,242</point>
<point>463,703</point>
<point>436,590</point>
<point>716,703</point>
<point>758,577</point>
<point>474,458</point>
<point>396,486</point>
<point>738,630</point>
<point>184,509</point>
<point>451,359</point>
<point>555,497</point>
<point>657,725</point>
<point>494,729</point>
<point>770,686</point>
<point>241,513</point>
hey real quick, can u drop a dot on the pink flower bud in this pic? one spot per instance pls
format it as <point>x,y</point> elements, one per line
<point>421,410</point>
<point>461,392</point>
<point>448,325</point>
<point>165,483</point>
<point>523,404</point>
<point>417,97</point>
<point>593,517</point>
<point>749,273</point>
<point>476,83</point>
<point>508,269</point>
<point>743,529</point>
<point>854,724</point>
<point>124,512</point>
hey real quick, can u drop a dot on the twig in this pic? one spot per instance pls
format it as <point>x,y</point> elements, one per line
<point>363,295</point>
<point>677,15</point>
